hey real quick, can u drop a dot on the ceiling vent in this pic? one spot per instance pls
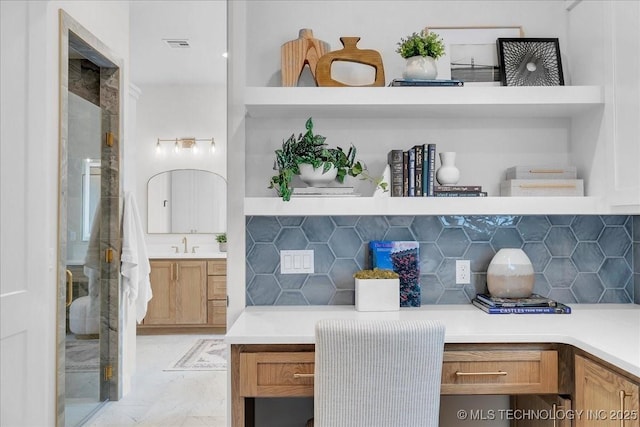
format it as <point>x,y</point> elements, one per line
<point>177,43</point>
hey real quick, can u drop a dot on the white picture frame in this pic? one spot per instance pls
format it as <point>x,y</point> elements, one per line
<point>473,51</point>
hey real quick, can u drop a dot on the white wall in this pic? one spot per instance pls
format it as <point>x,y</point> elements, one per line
<point>175,111</point>
<point>29,191</point>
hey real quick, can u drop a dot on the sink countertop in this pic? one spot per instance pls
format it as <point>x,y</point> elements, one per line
<point>608,331</point>
<point>189,255</point>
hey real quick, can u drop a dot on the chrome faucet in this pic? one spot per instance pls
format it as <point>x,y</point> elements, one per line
<point>184,240</point>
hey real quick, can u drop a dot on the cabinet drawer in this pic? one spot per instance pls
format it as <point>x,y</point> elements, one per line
<point>500,372</point>
<point>216,287</point>
<point>276,374</point>
<point>217,267</point>
<point>217,313</point>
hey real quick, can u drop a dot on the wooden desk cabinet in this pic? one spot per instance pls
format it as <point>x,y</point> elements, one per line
<point>287,371</point>
<point>188,296</point>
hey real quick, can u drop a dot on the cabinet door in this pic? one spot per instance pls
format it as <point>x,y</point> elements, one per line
<point>604,397</point>
<point>162,308</point>
<point>191,297</point>
<point>541,411</point>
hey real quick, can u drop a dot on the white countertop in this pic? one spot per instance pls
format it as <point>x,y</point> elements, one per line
<point>608,331</point>
<point>188,255</point>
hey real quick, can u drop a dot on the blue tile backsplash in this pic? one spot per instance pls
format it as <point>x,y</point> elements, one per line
<point>577,259</point>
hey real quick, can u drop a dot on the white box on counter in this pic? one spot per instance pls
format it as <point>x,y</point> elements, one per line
<point>542,172</point>
<point>542,187</point>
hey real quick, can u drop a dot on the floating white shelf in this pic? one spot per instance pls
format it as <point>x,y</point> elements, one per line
<point>413,102</point>
<point>307,206</point>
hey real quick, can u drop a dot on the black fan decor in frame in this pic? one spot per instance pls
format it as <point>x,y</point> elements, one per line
<point>530,62</point>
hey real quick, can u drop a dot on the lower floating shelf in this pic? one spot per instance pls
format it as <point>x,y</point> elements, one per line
<point>327,206</point>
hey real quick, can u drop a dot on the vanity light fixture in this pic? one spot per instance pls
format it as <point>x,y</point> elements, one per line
<point>187,143</point>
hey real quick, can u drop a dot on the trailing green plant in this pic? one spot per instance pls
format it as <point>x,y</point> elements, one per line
<point>424,43</point>
<point>376,273</point>
<point>312,149</point>
<point>221,238</point>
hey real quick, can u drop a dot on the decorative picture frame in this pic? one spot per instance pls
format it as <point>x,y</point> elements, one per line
<point>530,62</point>
<point>470,53</point>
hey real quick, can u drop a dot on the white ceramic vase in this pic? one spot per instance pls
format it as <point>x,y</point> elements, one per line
<point>448,173</point>
<point>316,177</point>
<point>510,274</point>
<point>420,67</point>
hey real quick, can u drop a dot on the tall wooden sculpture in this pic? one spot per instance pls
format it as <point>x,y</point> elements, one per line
<point>295,54</point>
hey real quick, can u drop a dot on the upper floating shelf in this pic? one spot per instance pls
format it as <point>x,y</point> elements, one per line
<point>303,206</point>
<point>414,102</point>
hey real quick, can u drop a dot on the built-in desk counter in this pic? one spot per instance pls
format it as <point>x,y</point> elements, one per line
<point>609,332</point>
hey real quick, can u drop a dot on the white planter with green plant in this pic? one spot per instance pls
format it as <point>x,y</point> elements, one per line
<point>309,154</point>
<point>377,290</point>
<point>222,241</point>
<point>421,51</point>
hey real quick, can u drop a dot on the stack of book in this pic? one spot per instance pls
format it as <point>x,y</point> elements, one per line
<point>413,175</point>
<point>542,181</point>
<point>534,304</point>
<point>420,82</point>
<point>459,191</point>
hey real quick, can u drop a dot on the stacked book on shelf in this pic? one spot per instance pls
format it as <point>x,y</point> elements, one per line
<point>413,174</point>
<point>534,304</point>
<point>420,82</point>
<point>542,181</point>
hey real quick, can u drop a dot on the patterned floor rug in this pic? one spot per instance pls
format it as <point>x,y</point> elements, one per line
<point>205,355</point>
<point>82,355</point>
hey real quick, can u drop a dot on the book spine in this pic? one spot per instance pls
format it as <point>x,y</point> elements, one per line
<point>419,169</point>
<point>432,169</point>
<point>394,159</point>
<point>405,173</point>
<point>412,172</point>
<point>427,83</point>
<point>560,309</point>
<point>461,194</point>
<point>459,188</point>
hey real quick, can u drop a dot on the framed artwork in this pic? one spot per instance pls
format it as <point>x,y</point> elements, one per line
<point>470,53</point>
<point>530,62</point>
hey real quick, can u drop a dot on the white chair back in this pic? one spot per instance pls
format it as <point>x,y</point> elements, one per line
<point>378,373</point>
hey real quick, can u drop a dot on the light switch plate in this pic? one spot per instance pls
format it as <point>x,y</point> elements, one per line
<point>296,262</point>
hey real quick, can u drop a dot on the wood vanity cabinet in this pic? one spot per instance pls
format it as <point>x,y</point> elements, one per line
<point>187,296</point>
<point>217,293</point>
<point>604,397</point>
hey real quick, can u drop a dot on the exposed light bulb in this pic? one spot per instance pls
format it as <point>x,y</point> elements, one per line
<point>176,147</point>
<point>213,146</point>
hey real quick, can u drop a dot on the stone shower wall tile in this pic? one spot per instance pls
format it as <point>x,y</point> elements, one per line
<point>576,258</point>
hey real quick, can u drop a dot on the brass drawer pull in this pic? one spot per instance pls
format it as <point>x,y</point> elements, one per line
<point>470,374</point>
<point>296,375</point>
<point>623,394</point>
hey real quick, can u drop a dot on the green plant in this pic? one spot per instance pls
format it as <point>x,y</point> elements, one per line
<point>221,238</point>
<point>425,43</point>
<point>312,149</point>
<point>376,273</point>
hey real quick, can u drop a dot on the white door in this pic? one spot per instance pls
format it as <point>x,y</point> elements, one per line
<point>27,273</point>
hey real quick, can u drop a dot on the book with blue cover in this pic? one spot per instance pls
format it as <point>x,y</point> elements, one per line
<point>403,258</point>
<point>559,308</point>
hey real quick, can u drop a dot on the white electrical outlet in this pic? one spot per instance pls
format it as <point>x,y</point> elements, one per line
<point>296,262</point>
<point>463,272</point>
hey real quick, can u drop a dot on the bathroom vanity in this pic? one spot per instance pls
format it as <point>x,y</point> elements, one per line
<point>189,295</point>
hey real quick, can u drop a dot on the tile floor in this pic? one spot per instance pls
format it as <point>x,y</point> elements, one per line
<point>167,398</point>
